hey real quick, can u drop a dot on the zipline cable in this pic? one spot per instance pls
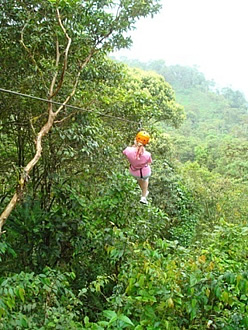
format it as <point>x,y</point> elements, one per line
<point>66,105</point>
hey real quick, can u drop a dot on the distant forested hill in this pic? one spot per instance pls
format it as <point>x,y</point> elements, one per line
<point>215,130</point>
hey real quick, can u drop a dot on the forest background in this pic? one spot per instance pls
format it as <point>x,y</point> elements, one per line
<point>77,250</point>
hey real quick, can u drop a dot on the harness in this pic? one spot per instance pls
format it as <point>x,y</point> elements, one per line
<point>138,169</point>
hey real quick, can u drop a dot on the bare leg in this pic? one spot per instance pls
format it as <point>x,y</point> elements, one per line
<point>143,186</point>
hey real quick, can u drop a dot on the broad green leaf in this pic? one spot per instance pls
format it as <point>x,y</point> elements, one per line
<point>109,314</point>
<point>21,293</point>
<point>125,319</point>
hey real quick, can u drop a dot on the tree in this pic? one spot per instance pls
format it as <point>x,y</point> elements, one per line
<point>75,32</point>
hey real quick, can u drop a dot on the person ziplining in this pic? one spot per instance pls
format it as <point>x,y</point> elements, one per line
<point>140,161</point>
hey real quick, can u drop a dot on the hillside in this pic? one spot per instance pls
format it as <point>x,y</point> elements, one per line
<point>216,124</point>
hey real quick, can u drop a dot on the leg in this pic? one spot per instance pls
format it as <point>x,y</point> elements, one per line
<point>143,186</point>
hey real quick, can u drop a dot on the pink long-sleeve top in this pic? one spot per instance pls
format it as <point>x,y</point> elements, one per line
<point>136,164</point>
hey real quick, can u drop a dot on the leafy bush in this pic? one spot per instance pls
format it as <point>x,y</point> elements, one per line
<point>165,286</point>
<point>43,301</point>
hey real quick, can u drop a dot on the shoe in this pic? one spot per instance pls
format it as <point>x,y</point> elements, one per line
<point>143,200</point>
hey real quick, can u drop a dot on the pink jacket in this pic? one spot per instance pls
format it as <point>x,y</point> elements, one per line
<point>137,164</point>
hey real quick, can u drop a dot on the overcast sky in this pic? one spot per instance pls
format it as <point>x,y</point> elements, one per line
<point>211,34</point>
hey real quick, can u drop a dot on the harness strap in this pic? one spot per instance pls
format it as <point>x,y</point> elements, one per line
<point>137,169</point>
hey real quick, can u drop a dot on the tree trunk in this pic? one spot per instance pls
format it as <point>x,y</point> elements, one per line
<point>25,175</point>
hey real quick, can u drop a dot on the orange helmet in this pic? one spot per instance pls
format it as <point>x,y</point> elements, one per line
<point>143,137</point>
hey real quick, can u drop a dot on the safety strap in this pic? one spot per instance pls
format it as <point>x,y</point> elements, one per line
<point>140,126</point>
<point>136,169</point>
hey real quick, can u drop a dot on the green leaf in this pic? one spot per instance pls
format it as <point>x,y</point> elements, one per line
<point>24,322</point>
<point>225,296</point>
<point>103,323</point>
<point>245,322</point>
<point>218,292</point>
<point>125,319</point>
<point>10,302</point>
<point>86,320</point>
<point>109,314</point>
<point>21,293</point>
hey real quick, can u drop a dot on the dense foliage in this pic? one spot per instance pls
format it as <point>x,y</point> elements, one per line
<point>79,251</point>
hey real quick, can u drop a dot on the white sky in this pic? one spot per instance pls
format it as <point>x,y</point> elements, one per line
<point>211,34</point>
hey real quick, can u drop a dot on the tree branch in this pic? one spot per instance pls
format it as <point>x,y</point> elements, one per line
<point>65,118</point>
<point>56,73</point>
<point>82,66</point>
<point>65,58</point>
<point>25,175</point>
